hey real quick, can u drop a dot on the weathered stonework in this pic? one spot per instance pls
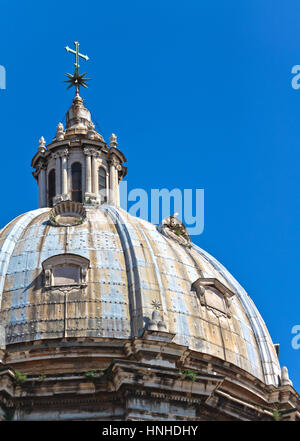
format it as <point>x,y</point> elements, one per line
<point>104,316</point>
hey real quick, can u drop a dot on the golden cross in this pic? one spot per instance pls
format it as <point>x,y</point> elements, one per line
<point>77,54</point>
<point>76,79</point>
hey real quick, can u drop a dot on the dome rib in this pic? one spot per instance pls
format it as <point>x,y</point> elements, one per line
<point>134,284</point>
<point>10,241</point>
<point>270,366</point>
<point>157,273</point>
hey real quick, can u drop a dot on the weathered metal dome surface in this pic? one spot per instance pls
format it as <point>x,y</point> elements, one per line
<point>133,267</point>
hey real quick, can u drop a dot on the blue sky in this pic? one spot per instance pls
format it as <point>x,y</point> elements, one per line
<point>200,96</point>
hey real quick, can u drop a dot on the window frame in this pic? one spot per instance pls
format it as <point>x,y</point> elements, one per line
<point>60,260</point>
<point>202,285</point>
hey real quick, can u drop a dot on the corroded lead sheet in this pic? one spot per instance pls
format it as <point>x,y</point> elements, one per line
<point>132,267</point>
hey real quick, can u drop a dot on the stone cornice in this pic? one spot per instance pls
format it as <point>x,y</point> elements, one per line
<point>147,367</point>
<point>94,143</point>
<point>118,153</point>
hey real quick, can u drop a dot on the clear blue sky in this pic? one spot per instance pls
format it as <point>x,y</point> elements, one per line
<point>199,93</point>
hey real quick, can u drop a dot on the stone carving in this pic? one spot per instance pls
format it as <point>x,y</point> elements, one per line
<point>115,163</point>
<point>63,153</point>
<point>67,213</point>
<point>213,295</point>
<point>60,134</point>
<point>285,380</point>
<point>157,322</point>
<point>91,131</point>
<point>48,277</point>
<point>42,144</point>
<point>175,229</point>
<point>90,151</point>
<point>113,140</point>
<point>83,274</point>
<point>41,165</point>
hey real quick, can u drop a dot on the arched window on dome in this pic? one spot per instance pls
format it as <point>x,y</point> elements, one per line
<point>76,174</point>
<point>213,294</point>
<point>51,187</point>
<point>102,184</point>
<point>65,270</point>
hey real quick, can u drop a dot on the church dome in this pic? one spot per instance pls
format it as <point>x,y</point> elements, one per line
<point>105,316</point>
<point>132,271</point>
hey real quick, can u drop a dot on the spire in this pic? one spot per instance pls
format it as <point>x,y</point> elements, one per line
<point>76,79</point>
<point>78,165</point>
<point>78,118</point>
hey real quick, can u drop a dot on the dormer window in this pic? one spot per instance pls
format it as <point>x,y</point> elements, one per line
<point>213,294</point>
<point>65,270</point>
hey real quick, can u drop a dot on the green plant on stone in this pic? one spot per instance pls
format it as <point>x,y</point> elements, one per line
<point>93,374</point>
<point>20,378</point>
<point>189,374</point>
<point>90,374</point>
<point>277,415</point>
<point>42,377</point>
<point>177,231</point>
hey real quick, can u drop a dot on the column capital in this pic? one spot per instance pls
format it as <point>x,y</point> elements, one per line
<point>91,151</point>
<point>87,151</point>
<point>55,155</point>
<point>41,165</point>
<point>115,163</point>
<point>63,153</point>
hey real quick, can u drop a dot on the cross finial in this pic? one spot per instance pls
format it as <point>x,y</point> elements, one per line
<point>76,79</point>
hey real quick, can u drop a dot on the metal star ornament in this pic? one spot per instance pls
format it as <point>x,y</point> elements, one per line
<point>77,79</point>
<point>155,303</point>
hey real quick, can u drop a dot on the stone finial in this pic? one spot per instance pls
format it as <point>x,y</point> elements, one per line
<point>157,322</point>
<point>42,144</point>
<point>113,140</point>
<point>91,131</point>
<point>285,379</point>
<point>60,134</point>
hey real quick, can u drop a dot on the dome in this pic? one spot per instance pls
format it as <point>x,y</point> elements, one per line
<point>105,316</point>
<point>130,270</point>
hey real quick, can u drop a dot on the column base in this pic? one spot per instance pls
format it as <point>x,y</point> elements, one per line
<point>57,199</point>
<point>91,199</point>
<point>61,197</point>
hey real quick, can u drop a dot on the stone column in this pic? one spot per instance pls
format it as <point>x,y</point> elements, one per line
<point>117,185</point>
<point>114,194</point>
<point>107,187</point>
<point>64,174</point>
<point>94,175</point>
<point>88,172</point>
<point>42,187</point>
<point>57,175</point>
